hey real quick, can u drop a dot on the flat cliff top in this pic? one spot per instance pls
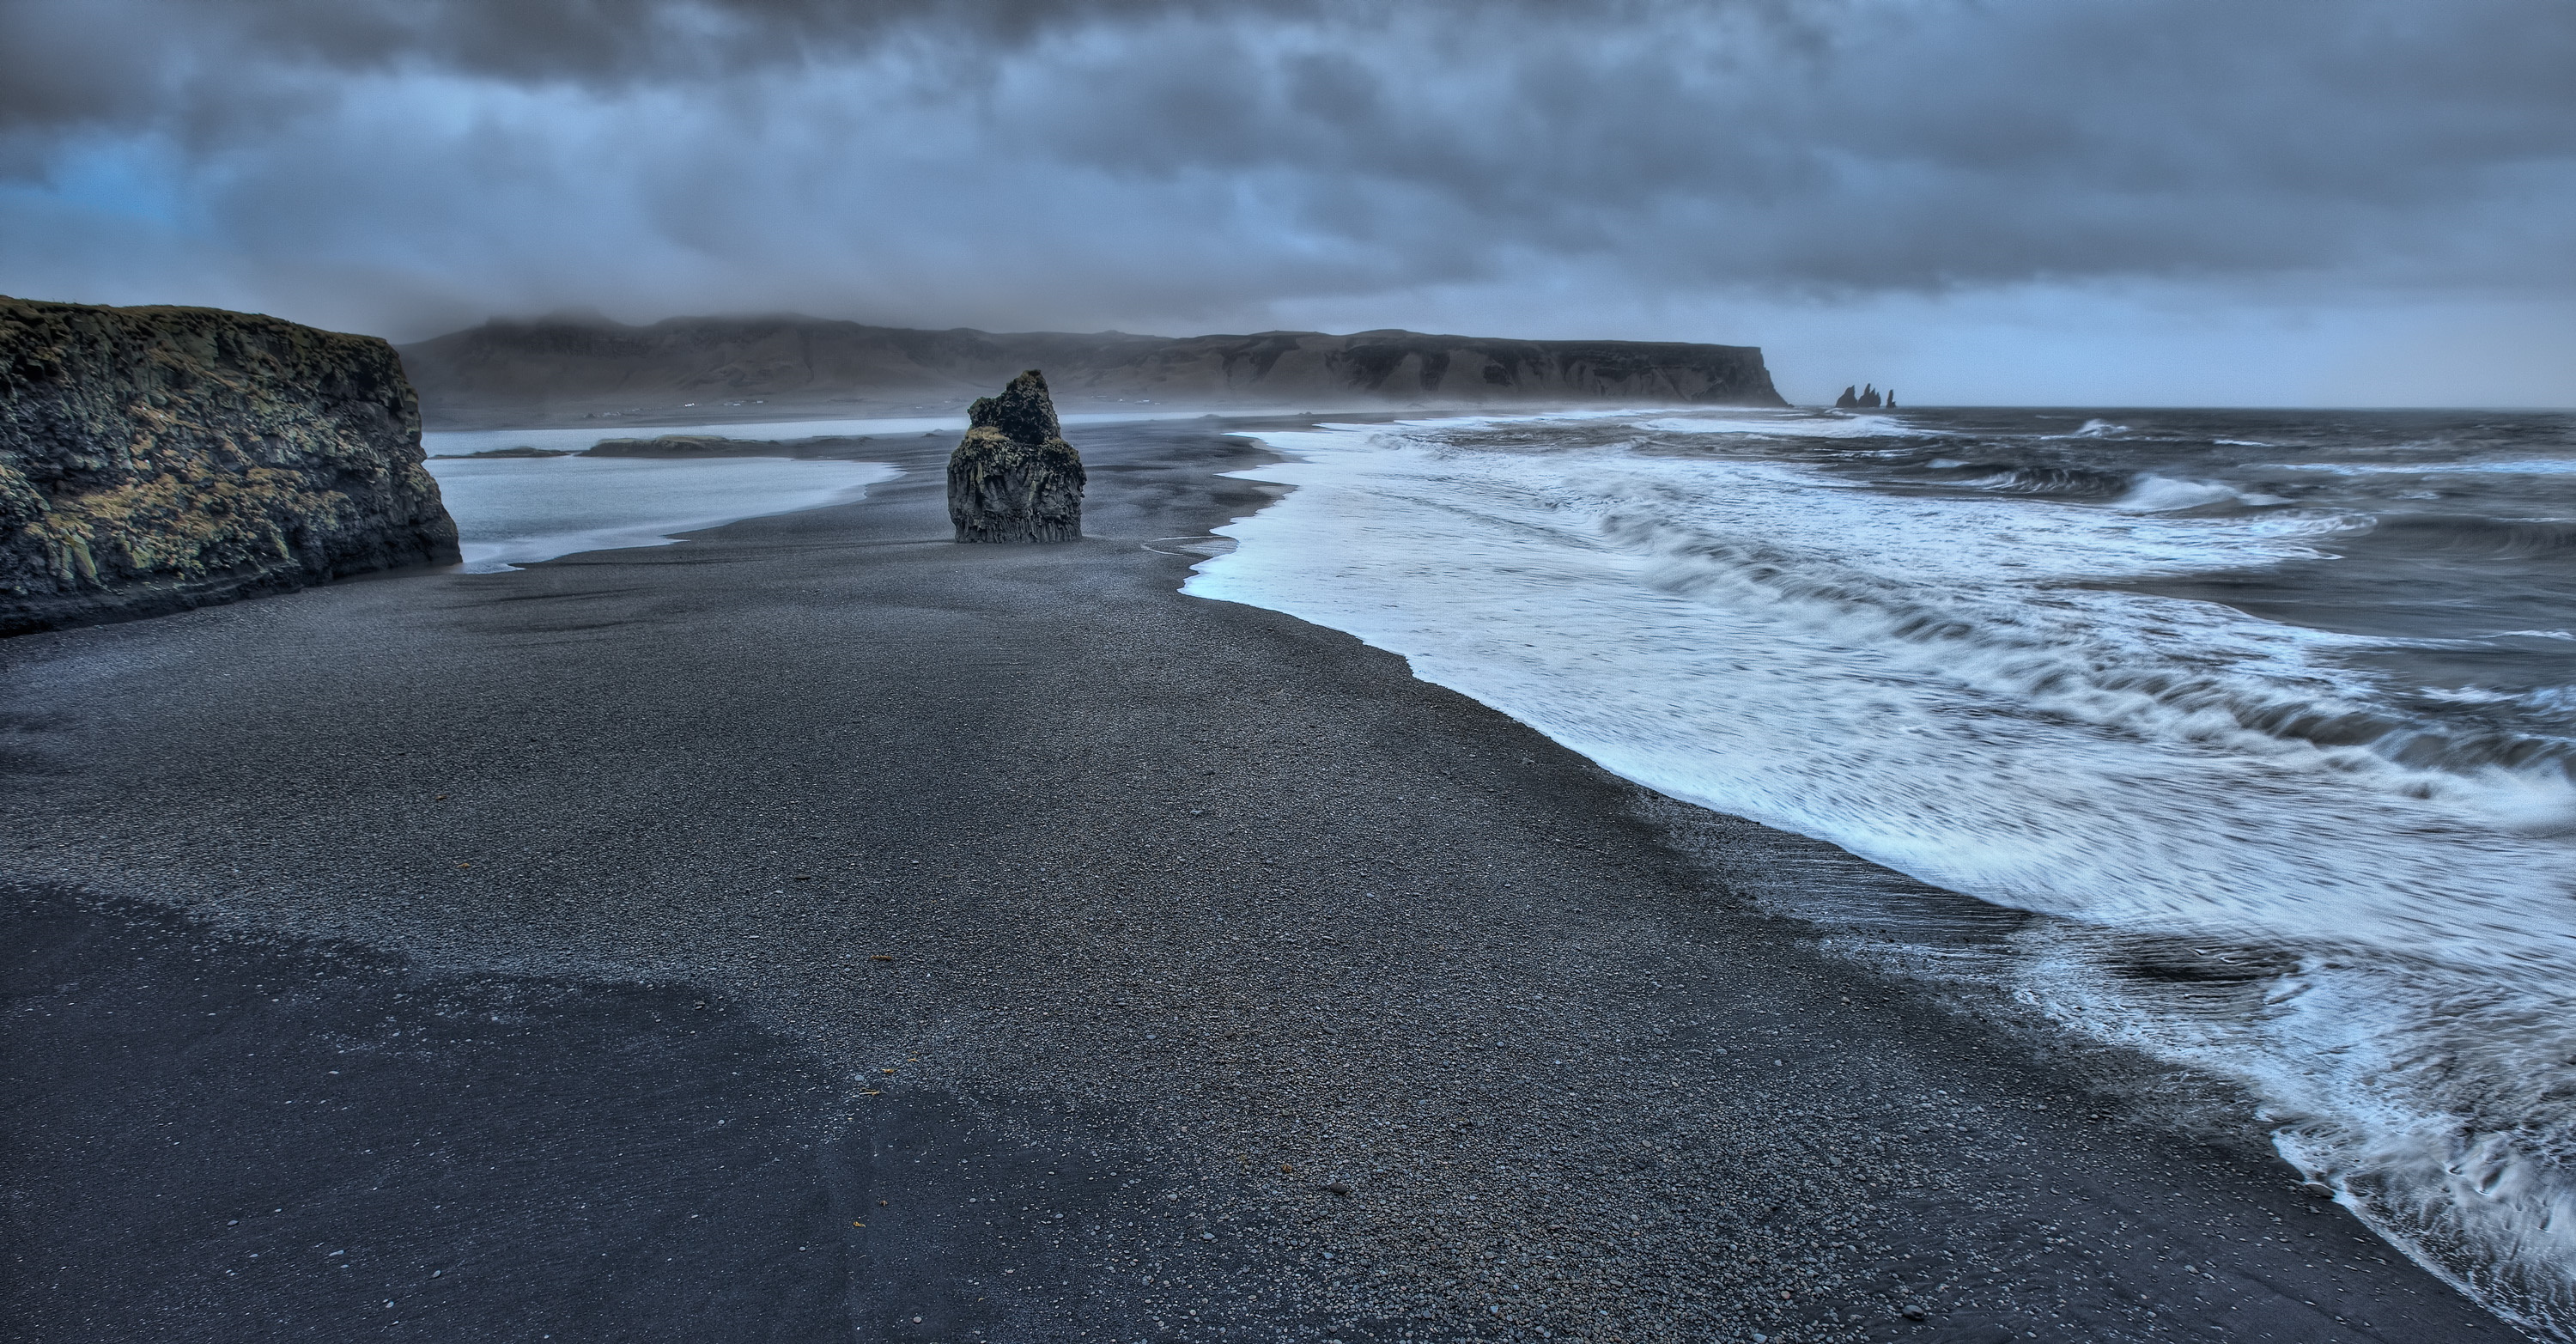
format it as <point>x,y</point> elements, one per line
<point>717,368</point>
<point>36,334</point>
<point>155,459</point>
<point>80,380</point>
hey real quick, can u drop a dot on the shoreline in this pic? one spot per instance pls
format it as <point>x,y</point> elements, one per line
<point>1192,899</point>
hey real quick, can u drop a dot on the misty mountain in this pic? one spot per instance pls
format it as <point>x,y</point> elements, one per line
<point>577,366</point>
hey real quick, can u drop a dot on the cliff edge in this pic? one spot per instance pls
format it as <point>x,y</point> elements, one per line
<point>156,459</point>
<point>690,369</point>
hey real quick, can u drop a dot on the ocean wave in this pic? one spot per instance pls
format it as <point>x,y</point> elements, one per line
<point>2129,492</point>
<point>2538,704</point>
<point>2468,695</point>
<point>2429,1100</point>
<point>2530,467</point>
<point>1790,425</point>
<point>2551,699</point>
<point>1953,600</point>
<point>2095,429</point>
<point>2151,493</point>
<point>2151,669</point>
<point>2548,544</point>
<point>2060,482</point>
<point>1960,689</point>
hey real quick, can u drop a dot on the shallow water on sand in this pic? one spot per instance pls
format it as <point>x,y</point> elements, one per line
<point>461,442</point>
<point>2273,714</point>
<point>517,511</point>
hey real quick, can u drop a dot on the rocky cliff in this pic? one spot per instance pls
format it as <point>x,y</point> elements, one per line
<point>523,373</point>
<point>1013,477</point>
<point>154,459</point>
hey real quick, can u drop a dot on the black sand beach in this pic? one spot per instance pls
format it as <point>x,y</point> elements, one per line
<point>823,930</point>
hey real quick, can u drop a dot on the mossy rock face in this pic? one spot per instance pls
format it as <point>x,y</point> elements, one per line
<point>155,459</point>
<point>1013,477</point>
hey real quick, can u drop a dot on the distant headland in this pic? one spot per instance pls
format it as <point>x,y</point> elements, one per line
<point>713,369</point>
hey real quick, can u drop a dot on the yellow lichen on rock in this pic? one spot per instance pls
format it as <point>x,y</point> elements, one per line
<point>1013,477</point>
<point>153,459</point>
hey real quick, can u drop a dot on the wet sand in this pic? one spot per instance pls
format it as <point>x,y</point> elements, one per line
<point>820,929</point>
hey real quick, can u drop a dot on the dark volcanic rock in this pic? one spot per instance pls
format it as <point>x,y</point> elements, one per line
<point>155,459</point>
<point>1013,477</point>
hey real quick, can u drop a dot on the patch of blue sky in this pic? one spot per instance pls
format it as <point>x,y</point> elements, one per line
<point>138,180</point>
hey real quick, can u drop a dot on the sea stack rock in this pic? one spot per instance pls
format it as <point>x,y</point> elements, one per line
<point>156,459</point>
<point>1014,478</point>
<point>1849,399</point>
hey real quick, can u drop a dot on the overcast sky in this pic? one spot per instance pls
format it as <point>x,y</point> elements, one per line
<point>2358,202</point>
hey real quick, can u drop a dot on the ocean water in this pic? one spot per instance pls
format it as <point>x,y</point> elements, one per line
<point>2269,717</point>
<point>458,442</point>
<point>517,511</point>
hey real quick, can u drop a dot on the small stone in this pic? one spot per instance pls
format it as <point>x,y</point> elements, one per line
<point>1914,1312</point>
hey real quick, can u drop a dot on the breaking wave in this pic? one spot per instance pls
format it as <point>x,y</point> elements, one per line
<point>1959,667</point>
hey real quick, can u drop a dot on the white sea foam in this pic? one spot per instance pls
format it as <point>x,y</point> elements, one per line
<point>1931,683</point>
<point>517,511</point>
<point>2163,494</point>
<point>1790,425</point>
<point>2467,695</point>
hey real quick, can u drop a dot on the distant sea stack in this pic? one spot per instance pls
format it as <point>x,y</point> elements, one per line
<point>1013,477</point>
<point>583,367</point>
<point>156,459</point>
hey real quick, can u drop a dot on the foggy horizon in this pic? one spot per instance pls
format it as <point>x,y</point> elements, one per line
<point>2173,202</point>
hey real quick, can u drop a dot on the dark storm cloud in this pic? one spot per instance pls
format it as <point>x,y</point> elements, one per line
<point>1012,162</point>
<point>73,61</point>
